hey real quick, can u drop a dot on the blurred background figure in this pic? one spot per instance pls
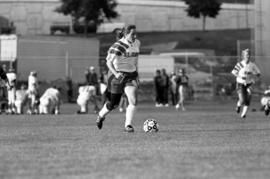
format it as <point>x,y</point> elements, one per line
<point>158,88</point>
<point>182,83</point>
<point>265,101</point>
<point>69,84</point>
<point>86,93</point>
<point>3,89</point>
<point>103,82</point>
<point>21,99</point>
<point>92,80</point>
<point>50,101</point>
<point>12,78</point>
<point>173,89</point>
<point>165,87</point>
<point>33,93</point>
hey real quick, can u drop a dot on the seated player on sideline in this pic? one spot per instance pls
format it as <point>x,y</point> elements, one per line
<point>50,101</point>
<point>265,101</point>
<point>21,99</point>
<point>86,93</point>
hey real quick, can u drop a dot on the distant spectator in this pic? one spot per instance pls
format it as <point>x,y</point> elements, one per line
<point>182,81</point>
<point>4,86</point>
<point>158,88</point>
<point>12,78</point>
<point>69,89</point>
<point>165,87</point>
<point>21,99</point>
<point>173,89</point>
<point>33,92</point>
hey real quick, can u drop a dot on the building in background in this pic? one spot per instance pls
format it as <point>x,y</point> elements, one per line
<point>38,16</point>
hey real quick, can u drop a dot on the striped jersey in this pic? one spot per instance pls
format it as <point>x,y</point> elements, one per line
<point>124,55</point>
<point>245,72</point>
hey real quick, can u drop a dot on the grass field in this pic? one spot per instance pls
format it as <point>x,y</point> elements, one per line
<point>207,141</point>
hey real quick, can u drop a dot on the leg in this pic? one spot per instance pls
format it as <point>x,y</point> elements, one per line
<point>107,107</point>
<point>131,93</point>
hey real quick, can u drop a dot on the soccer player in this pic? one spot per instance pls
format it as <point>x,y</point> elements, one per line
<point>33,92</point>
<point>182,81</point>
<point>3,76</point>
<point>265,101</point>
<point>86,93</point>
<point>50,101</point>
<point>21,98</point>
<point>12,77</point>
<point>122,62</point>
<point>246,73</point>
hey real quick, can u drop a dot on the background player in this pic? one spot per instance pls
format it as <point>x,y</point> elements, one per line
<point>265,101</point>
<point>21,99</point>
<point>33,92</point>
<point>122,61</point>
<point>182,83</point>
<point>12,77</point>
<point>50,101</point>
<point>86,93</point>
<point>246,73</point>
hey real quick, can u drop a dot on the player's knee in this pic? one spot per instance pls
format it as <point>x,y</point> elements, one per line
<point>111,106</point>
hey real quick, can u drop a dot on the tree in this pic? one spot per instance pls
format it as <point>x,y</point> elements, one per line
<point>204,8</point>
<point>93,12</point>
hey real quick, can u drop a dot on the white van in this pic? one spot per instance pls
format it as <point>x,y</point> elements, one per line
<point>148,64</point>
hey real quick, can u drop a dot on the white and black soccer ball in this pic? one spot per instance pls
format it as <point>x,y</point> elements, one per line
<point>150,125</point>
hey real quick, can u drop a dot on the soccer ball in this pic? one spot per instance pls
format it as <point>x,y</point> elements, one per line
<point>150,125</point>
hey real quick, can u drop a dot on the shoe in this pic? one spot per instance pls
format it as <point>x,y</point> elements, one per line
<point>243,116</point>
<point>99,121</point>
<point>167,105</point>
<point>266,111</point>
<point>129,128</point>
<point>237,109</point>
<point>177,106</point>
<point>121,110</point>
<point>79,112</point>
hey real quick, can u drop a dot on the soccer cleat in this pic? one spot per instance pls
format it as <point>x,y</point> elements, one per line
<point>177,106</point>
<point>243,116</point>
<point>129,128</point>
<point>99,121</point>
<point>237,109</point>
<point>266,110</point>
<point>80,112</point>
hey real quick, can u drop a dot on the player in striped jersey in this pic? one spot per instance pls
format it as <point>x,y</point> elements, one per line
<point>122,61</point>
<point>246,73</point>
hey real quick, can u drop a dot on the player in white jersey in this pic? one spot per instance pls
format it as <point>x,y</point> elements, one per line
<point>33,92</point>
<point>12,77</point>
<point>86,93</point>
<point>265,101</point>
<point>246,73</point>
<point>50,101</point>
<point>21,99</point>
<point>122,62</point>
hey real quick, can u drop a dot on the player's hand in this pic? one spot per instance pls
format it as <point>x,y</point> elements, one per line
<point>118,75</point>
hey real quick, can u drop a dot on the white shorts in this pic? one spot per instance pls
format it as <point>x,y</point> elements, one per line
<point>11,95</point>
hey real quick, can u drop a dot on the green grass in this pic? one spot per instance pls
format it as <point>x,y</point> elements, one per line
<point>207,141</point>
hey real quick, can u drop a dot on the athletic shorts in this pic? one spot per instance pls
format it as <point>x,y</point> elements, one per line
<point>116,86</point>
